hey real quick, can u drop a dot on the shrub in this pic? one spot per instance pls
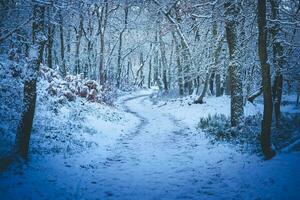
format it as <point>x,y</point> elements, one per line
<point>246,137</point>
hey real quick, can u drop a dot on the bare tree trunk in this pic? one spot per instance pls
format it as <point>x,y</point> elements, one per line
<point>68,44</point>
<point>170,77</point>
<point>211,83</point>
<point>188,83</point>
<point>200,98</point>
<point>78,42</point>
<point>265,71</point>
<point>63,69</point>
<point>218,85</point>
<point>227,84</point>
<point>178,65</point>
<point>217,53</point>
<point>102,22</point>
<point>156,60</point>
<point>119,70</point>
<point>236,86</point>
<point>150,72</point>
<point>278,61</point>
<point>36,56</point>
<point>139,78</point>
<point>164,61</point>
<point>50,40</point>
<point>129,69</point>
<point>88,35</point>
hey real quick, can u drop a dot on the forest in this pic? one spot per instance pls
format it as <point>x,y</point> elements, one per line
<point>149,99</point>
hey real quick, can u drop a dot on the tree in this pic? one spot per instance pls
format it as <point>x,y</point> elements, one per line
<point>178,65</point>
<point>50,39</point>
<point>265,72</point>
<point>63,69</point>
<point>163,61</point>
<point>232,12</point>
<point>278,59</point>
<point>102,15</point>
<point>119,70</point>
<point>79,33</point>
<point>35,59</point>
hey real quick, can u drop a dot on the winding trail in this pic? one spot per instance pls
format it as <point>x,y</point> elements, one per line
<point>161,159</point>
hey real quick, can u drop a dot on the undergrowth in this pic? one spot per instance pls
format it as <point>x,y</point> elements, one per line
<point>246,136</point>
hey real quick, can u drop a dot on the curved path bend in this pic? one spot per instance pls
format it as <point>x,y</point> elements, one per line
<point>161,159</point>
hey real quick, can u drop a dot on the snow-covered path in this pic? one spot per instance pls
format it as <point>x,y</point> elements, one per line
<point>163,158</point>
<point>157,160</point>
<point>159,157</point>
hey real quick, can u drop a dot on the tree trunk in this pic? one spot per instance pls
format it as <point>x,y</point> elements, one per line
<point>62,47</point>
<point>78,42</point>
<point>278,61</point>
<point>227,84</point>
<point>150,72</point>
<point>170,65</point>
<point>178,65</point>
<point>139,78</point>
<point>188,83</point>
<point>102,22</point>
<point>88,69</point>
<point>236,86</point>
<point>218,85</point>
<point>50,41</point>
<point>211,83</point>
<point>265,71</point>
<point>36,56</point>
<point>164,61</point>
<point>119,70</point>
<point>129,69</point>
<point>200,99</point>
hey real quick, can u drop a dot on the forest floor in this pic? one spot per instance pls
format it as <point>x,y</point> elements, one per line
<point>144,150</point>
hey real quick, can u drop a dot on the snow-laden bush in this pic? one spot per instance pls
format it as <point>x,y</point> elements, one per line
<point>73,86</point>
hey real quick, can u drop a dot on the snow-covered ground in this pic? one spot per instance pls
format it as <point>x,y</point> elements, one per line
<point>143,150</point>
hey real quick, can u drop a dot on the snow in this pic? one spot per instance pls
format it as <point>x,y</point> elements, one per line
<point>143,149</point>
<point>184,110</point>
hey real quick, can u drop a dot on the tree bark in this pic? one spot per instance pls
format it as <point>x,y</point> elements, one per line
<point>164,61</point>
<point>218,85</point>
<point>200,99</point>
<point>265,71</point>
<point>50,41</point>
<point>178,65</point>
<point>211,83</point>
<point>236,87</point>
<point>36,56</point>
<point>78,42</point>
<point>102,22</point>
<point>62,47</point>
<point>150,72</point>
<point>119,71</point>
<point>278,61</point>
